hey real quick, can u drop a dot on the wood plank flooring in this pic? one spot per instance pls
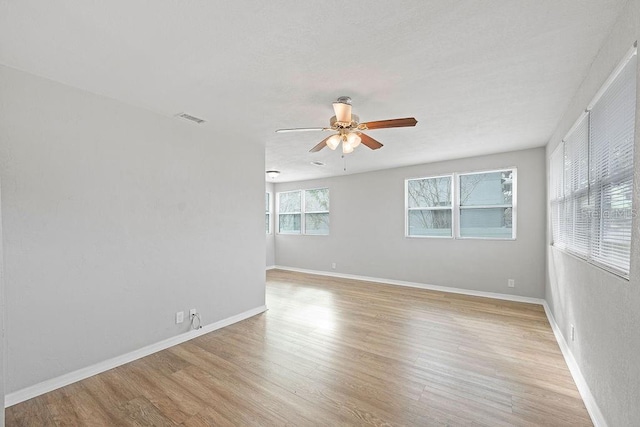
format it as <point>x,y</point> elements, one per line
<point>334,352</point>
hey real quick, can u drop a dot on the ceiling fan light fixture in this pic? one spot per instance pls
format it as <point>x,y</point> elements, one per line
<point>353,139</point>
<point>334,141</point>
<point>273,174</point>
<point>346,147</point>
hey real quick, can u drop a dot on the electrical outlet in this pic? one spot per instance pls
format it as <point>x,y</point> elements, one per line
<point>573,333</point>
<point>333,265</point>
<point>192,312</point>
<point>180,317</point>
<point>511,283</point>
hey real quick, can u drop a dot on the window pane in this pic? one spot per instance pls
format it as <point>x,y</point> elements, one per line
<point>575,199</point>
<point>316,200</point>
<point>289,223</point>
<point>576,158</point>
<point>486,189</point>
<point>488,222</point>
<point>557,209</point>
<point>556,173</point>
<point>426,222</point>
<point>429,192</point>
<point>581,224</point>
<point>290,202</point>
<point>316,223</point>
<point>614,245</point>
<point>266,202</point>
<point>266,219</point>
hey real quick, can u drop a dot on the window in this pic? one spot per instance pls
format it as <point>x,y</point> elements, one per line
<point>591,177</point>
<point>290,212</point>
<point>468,205</point>
<point>430,206</point>
<point>556,192</point>
<point>304,212</point>
<point>316,211</point>
<point>267,212</point>
<point>575,188</point>
<point>486,204</point>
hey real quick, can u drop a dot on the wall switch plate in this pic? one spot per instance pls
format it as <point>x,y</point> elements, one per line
<point>180,317</point>
<point>511,283</point>
<point>333,265</point>
<point>192,312</point>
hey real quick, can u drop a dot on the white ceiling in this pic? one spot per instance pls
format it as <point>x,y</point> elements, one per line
<point>479,76</point>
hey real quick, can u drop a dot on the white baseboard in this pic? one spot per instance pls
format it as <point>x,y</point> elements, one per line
<point>587,397</point>
<point>80,374</point>
<point>63,380</point>
<point>507,297</point>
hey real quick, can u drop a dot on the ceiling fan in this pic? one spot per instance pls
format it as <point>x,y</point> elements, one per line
<point>349,129</point>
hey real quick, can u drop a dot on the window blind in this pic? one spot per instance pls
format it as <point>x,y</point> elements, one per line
<point>556,196</point>
<point>611,132</point>
<point>577,212</point>
<point>591,177</point>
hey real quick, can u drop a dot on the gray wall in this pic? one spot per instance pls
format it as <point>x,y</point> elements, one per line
<point>271,248</point>
<point>114,219</point>
<point>367,231</point>
<point>604,308</point>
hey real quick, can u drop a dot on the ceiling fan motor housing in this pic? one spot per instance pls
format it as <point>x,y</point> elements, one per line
<point>353,124</point>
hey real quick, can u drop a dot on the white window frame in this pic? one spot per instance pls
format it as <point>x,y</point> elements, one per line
<point>302,213</point>
<point>303,226</point>
<point>556,196</point>
<point>407,209</point>
<point>513,205</point>
<point>290,213</point>
<point>455,205</point>
<point>268,212</point>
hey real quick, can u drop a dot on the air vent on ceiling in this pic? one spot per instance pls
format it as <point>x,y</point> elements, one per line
<point>190,117</point>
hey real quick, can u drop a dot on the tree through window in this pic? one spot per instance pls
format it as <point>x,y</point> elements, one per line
<point>469,205</point>
<point>429,207</point>
<point>304,212</point>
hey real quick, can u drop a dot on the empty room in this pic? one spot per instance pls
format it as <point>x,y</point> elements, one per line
<point>410,213</point>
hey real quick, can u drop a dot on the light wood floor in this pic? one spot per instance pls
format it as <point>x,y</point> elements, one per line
<point>339,352</point>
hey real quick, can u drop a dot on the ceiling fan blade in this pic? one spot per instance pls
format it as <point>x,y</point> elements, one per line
<point>320,145</point>
<point>370,142</point>
<point>391,123</point>
<point>301,130</point>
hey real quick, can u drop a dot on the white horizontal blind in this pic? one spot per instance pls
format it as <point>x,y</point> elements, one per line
<point>591,177</point>
<point>556,196</point>
<point>576,188</point>
<point>611,173</point>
